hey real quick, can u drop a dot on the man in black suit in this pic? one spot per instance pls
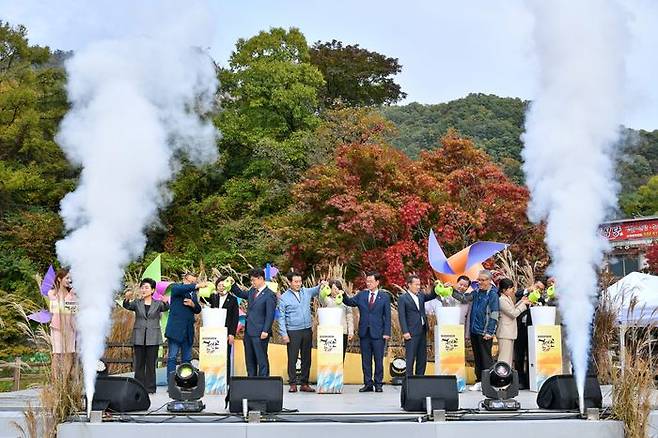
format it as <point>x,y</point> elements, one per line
<point>258,327</point>
<point>374,329</point>
<point>222,299</point>
<point>413,323</point>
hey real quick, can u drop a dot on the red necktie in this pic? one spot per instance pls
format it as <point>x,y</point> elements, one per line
<point>371,303</point>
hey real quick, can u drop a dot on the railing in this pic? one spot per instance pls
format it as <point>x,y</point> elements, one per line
<point>18,365</point>
<point>128,360</point>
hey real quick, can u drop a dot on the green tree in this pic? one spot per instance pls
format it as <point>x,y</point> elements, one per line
<point>34,174</point>
<point>495,124</point>
<point>644,202</point>
<point>355,76</point>
<point>271,88</point>
<point>269,112</point>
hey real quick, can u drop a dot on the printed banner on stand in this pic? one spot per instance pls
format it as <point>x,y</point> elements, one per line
<point>545,355</point>
<point>449,352</point>
<point>330,359</point>
<point>212,358</point>
<point>64,307</point>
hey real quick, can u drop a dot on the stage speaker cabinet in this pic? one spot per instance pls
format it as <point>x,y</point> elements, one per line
<point>560,392</point>
<point>441,389</point>
<point>120,394</point>
<point>264,394</point>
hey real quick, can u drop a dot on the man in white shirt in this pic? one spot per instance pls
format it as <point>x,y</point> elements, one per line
<point>413,323</point>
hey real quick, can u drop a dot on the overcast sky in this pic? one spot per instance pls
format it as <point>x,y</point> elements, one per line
<point>447,49</point>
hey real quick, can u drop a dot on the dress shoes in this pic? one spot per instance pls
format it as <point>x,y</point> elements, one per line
<point>306,388</point>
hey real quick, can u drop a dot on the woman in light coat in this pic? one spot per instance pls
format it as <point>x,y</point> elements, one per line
<point>335,299</point>
<point>509,311</point>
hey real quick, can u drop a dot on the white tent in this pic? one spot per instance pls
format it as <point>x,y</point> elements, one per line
<point>644,288</point>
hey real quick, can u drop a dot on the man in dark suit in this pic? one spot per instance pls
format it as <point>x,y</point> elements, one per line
<point>258,327</point>
<point>413,323</point>
<point>374,329</point>
<point>183,306</point>
<point>222,299</point>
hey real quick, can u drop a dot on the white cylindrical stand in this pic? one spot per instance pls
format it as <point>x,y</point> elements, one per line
<point>542,315</point>
<point>448,315</point>
<point>330,350</point>
<point>449,352</point>
<point>213,317</point>
<point>330,316</point>
<point>544,346</point>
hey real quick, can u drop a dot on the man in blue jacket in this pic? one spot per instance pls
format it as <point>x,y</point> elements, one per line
<point>295,327</point>
<point>258,327</point>
<point>413,323</point>
<point>374,329</point>
<point>483,321</point>
<point>183,305</point>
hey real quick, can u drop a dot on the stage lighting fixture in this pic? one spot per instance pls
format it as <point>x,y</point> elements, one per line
<point>500,384</point>
<point>398,370</point>
<point>186,387</point>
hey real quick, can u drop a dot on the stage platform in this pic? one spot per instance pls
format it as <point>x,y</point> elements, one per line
<point>351,414</point>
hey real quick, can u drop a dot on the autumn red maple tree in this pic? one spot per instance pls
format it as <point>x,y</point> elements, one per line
<point>372,207</point>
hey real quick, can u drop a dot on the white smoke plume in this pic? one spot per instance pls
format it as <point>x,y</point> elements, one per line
<point>572,128</point>
<point>134,104</point>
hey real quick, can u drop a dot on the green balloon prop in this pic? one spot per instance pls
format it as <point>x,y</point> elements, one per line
<point>534,296</point>
<point>325,291</point>
<point>442,291</point>
<point>550,292</point>
<point>207,290</point>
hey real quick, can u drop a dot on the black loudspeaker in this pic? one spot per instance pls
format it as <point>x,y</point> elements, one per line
<point>442,390</point>
<point>263,394</point>
<point>120,394</point>
<point>560,392</point>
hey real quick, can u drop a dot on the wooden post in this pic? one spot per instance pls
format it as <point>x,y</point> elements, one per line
<point>622,346</point>
<point>17,374</point>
